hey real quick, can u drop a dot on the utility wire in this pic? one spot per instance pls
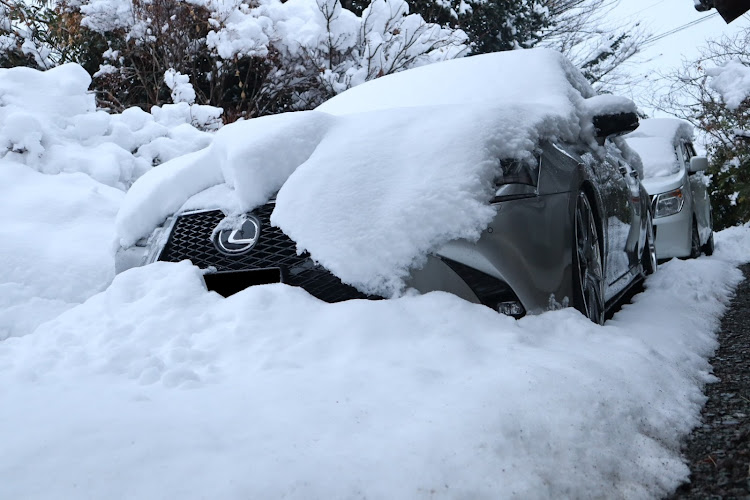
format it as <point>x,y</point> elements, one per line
<point>679,28</point>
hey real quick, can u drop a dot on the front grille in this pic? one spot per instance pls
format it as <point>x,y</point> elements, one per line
<point>191,239</point>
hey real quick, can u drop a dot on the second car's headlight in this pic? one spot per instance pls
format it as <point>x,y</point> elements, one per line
<point>669,203</point>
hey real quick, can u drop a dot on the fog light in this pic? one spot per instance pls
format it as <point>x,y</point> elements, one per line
<point>512,308</point>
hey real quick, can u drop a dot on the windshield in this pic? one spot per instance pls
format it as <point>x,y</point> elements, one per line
<point>658,155</point>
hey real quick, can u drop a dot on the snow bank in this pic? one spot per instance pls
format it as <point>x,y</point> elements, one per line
<point>56,231</point>
<point>655,141</point>
<point>273,394</point>
<point>389,170</point>
<point>55,244</point>
<point>49,121</point>
<point>731,81</point>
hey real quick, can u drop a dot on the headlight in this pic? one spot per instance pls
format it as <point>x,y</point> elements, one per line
<point>516,179</point>
<point>146,250</point>
<point>669,203</point>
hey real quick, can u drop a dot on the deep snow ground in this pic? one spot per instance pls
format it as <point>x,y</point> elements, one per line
<point>155,388</point>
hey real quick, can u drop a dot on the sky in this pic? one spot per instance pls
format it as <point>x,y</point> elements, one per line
<point>660,17</point>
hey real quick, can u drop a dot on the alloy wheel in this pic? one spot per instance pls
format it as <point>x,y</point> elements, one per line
<point>589,272</point>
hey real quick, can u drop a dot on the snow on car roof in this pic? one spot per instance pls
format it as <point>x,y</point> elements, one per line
<point>381,175</point>
<point>673,129</point>
<point>655,140</point>
<point>537,77</point>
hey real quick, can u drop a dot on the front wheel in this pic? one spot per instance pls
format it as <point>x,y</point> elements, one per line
<point>588,267</point>
<point>708,248</point>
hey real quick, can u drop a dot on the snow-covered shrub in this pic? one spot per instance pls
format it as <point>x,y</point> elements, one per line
<point>49,121</point>
<point>255,58</point>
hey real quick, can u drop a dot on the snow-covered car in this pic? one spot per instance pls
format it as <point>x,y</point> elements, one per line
<point>673,176</point>
<point>500,178</point>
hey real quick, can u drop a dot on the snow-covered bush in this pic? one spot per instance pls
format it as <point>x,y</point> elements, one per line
<point>49,121</point>
<point>255,58</point>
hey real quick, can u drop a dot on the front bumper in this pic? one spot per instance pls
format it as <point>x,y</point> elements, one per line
<point>673,234</point>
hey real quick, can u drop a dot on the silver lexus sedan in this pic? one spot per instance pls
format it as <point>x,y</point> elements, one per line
<point>565,220</point>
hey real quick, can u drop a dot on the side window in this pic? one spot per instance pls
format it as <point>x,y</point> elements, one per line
<point>516,178</point>
<point>690,151</point>
<point>687,151</point>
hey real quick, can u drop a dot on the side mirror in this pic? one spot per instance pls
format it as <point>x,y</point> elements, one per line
<point>614,124</point>
<point>698,164</point>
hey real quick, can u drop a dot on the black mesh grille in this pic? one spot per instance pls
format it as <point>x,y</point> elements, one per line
<point>191,239</point>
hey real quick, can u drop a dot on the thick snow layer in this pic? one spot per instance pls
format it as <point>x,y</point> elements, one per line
<point>156,388</point>
<point>731,81</point>
<point>56,231</point>
<point>387,171</point>
<point>253,158</point>
<point>655,140</point>
<point>49,121</point>
<point>55,244</point>
<point>371,207</point>
<point>534,77</point>
<point>608,104</point>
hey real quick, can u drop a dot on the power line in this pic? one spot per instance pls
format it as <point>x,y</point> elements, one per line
<point>679,28</point>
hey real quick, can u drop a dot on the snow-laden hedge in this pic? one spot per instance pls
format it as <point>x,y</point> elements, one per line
<point>49,121</point>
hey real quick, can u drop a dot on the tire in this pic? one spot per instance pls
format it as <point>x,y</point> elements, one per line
<point>648,257</point>
<point>708,248</point>
<point>695,242</point>
<point>588,264</point>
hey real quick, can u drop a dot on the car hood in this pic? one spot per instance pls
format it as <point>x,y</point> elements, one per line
<point>658,185</point>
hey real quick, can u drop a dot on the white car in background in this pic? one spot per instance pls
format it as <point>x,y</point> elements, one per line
<point>673,177</point>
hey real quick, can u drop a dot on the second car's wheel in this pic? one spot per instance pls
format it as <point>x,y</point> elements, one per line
<point>648,257</point>
<point>588,268</point>
<point>708,248</point>
<point>695,242</point>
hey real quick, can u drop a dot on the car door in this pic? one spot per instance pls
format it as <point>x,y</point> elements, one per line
<point>616,183</point>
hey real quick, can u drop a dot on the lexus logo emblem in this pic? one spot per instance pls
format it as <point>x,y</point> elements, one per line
<point>240,238</point>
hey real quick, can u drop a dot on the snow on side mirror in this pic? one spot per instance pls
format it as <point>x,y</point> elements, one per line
<point>612,115</point>
<point>698,164</point>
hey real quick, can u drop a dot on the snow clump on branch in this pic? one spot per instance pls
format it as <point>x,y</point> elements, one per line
<point>731,81</point>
